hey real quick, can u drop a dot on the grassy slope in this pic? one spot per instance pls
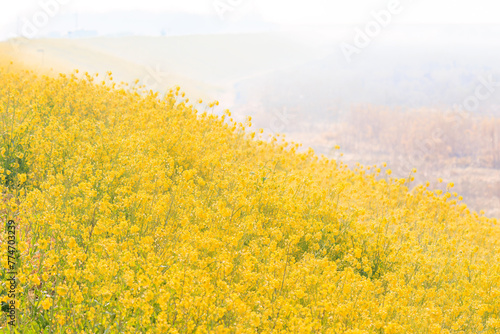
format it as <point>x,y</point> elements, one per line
<point>139,214</point>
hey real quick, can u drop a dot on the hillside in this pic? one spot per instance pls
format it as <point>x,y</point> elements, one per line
<point>136,213</point>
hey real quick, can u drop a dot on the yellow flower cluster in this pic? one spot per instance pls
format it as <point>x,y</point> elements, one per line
<point>140,214</point>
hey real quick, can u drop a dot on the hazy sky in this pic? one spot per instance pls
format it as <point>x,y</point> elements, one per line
<point>17,14</point>
<point>287,11</point>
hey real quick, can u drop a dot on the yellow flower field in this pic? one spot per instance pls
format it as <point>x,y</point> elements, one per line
<point>141,214</point>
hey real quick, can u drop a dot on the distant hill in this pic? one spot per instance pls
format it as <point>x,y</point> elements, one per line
<point>204,65</point>
<point>127,23</point>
